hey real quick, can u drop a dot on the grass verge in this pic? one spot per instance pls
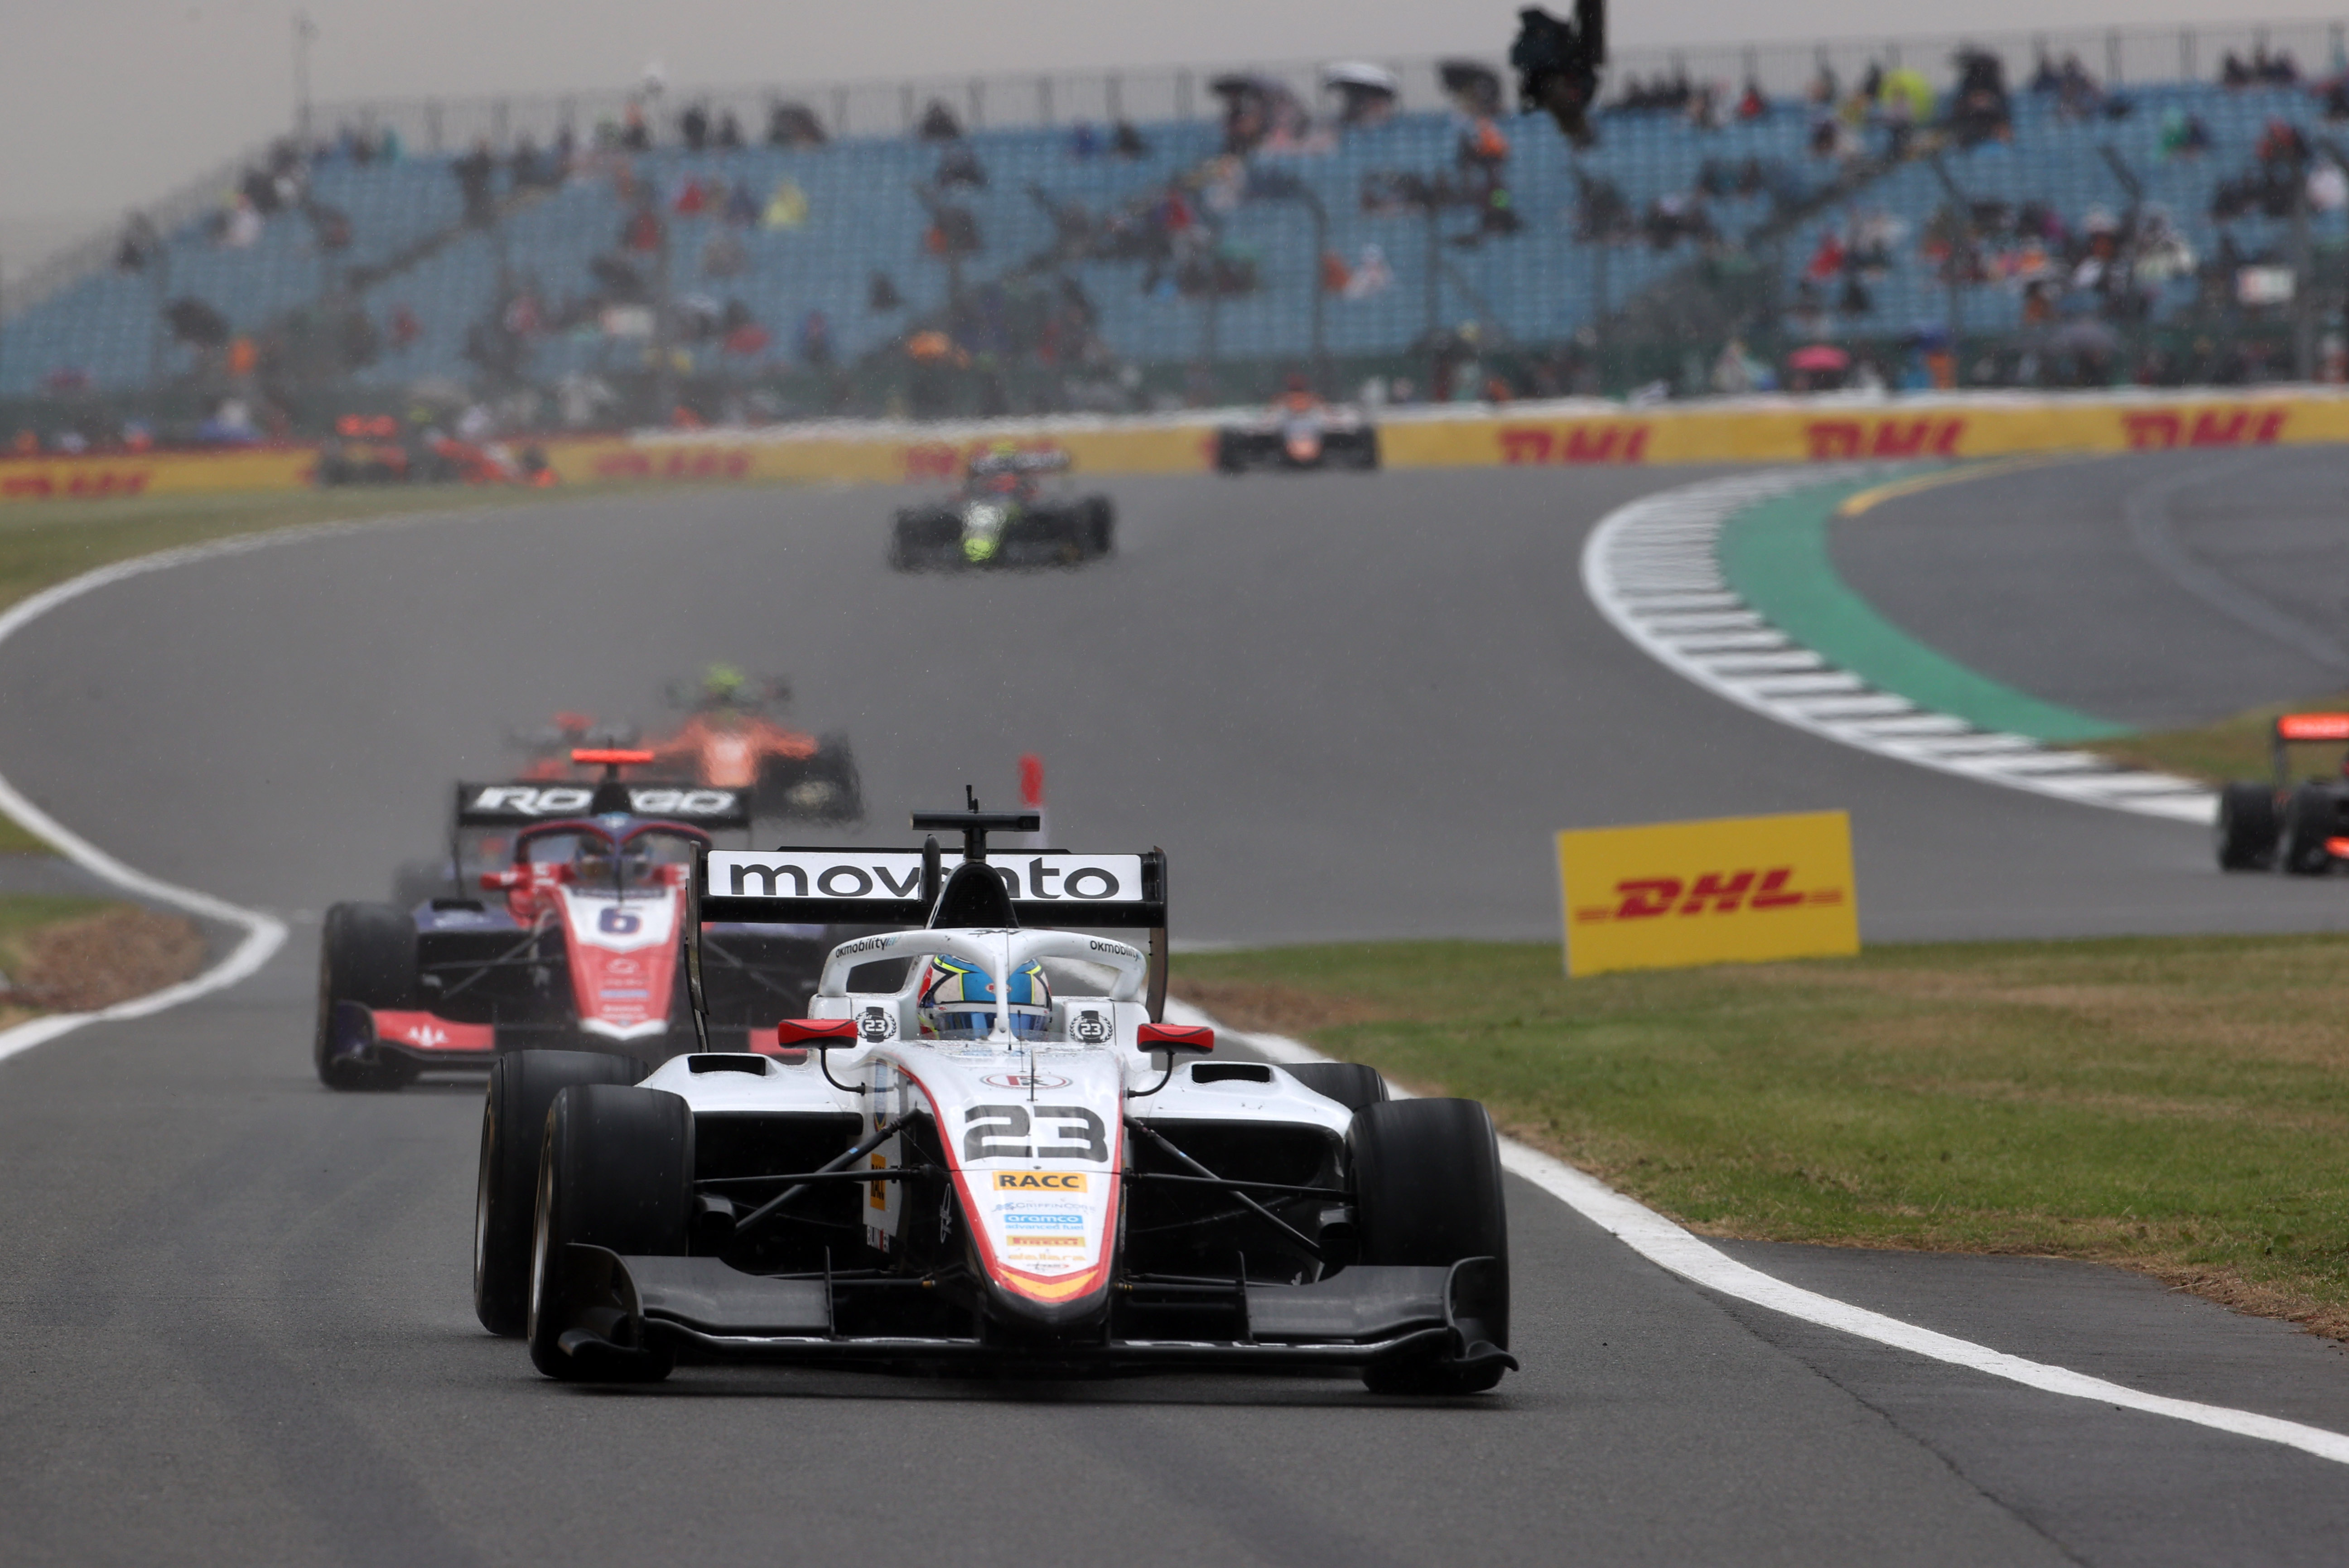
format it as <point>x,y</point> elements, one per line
<point>66,954</point>
<point>2179,1106</point>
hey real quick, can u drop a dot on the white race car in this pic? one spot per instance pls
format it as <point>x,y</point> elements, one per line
<point>970,1157</point>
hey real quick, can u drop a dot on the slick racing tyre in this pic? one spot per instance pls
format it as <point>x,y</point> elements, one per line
<point>2247,827</point>
<point>1427,1192</point>
<point>2308,822</point>
<point>1098,522</point>
<point>522,1087</point>
<point>921,540</point>
<point>616,1171</point>
<point>1351,1084</point>
<point>366,955</point>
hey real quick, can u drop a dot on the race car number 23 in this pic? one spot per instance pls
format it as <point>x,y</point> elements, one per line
<point>992,1130</point>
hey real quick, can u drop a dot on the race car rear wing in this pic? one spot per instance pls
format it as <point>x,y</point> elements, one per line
<point>901,888</point>
<point>525,802</point>
<point>2304,728</point>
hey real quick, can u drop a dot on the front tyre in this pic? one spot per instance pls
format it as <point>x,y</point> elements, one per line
<point>366,957</point>
<point>1427,1192</point>
<point>615,1172</point>
<point>522,1087</point>
<point>2247,827</point>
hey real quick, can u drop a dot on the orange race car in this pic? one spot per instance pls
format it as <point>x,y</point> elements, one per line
<point>732,739</point>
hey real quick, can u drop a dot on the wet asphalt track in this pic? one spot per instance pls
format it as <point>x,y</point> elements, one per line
<point>238,1320</point>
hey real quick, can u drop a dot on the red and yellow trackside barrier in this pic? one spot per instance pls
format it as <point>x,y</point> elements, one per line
<point>1564,436</point>
<point>1793,432</point>
<point>117,475</point>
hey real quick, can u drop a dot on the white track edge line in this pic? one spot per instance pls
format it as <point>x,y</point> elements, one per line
<point>264,933</point>
<point>1691,517</point>
<point>1666,1244</point>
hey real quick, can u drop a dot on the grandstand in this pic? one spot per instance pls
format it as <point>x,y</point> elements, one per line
<point>990,250</point>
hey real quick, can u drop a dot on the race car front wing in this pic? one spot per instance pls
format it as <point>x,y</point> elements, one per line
<point>1365,1315</point>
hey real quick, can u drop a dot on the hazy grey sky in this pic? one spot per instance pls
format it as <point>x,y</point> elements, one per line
<point>106,103</point>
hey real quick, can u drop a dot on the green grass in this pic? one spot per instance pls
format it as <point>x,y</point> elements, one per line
<point>2233,748</point>
<point>2178,1105</point>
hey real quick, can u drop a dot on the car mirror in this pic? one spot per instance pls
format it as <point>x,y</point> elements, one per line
<point>1176,1037</point>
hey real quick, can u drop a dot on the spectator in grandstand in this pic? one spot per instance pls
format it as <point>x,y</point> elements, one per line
<point>692,200</point>
<point>1751,103</point>
<point>693,127</point>
<point>938,123</point>
<point>240,229</point>
<point>815,339</point>
<point>958,165</point>
<point>636,132</point>
<point>2233,73</point>
<point>474,174</point>
<point>1603,213</point>
<point>794,125</point>
<point>881,294</point>
<point>1979,109</point>
<point>1125,141</point>
<point>729,134</point>
<point>642,231</point>
<point>528,169</point>
<point>404,329</point>
<point>140,247</point>
<point>2183,135</point>
<point>741,205</point>
<point>2335,95</point>
<point>787,205</point>
<point>1084,142</point>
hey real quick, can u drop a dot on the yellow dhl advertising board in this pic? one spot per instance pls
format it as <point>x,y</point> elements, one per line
<point>1791,432</point>
<point>1737,889</point>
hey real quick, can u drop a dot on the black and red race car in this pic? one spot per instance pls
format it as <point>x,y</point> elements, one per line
<point>584,950</point>
<point>2301,828</point>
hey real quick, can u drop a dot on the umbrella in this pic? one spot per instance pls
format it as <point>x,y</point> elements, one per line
<point>1361,76</point>
<point>1818,357</point>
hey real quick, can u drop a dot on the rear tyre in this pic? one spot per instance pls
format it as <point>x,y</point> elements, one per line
<point>1427,1192</point>
<point>1351,1084</point>
<point>616,1172</point>
<point>2247,827</point>
<point>2308,822</point>
<point>366,955</point>
<point>514,1126</point>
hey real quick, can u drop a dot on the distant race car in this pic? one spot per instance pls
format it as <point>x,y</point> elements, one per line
<point>1000,518</point>
<point>732,738</point>
<point>2301,828</point>
<point>1299,431</point>
<point>982,1151</point>
<point>584,950</point>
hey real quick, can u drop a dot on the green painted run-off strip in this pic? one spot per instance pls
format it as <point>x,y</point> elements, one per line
<point>1774,554</point>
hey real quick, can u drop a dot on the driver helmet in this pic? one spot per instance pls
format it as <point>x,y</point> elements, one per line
<point>957,1000</point>
<point>598,862</point>
<point>722,684</point>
